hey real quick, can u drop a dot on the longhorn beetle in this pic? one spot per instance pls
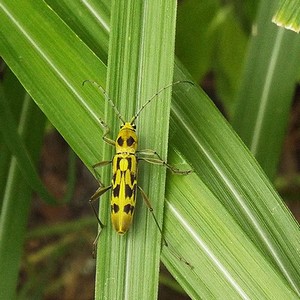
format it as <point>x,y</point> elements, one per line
<point>124,169</point>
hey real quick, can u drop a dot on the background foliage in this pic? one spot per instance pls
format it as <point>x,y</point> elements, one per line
<point>226,219</point>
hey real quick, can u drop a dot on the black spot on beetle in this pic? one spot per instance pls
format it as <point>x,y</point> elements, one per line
<point>130,141</point>
<point>132,178</point>
<point>115,208</point>
<point>128,191</point>
<point>116,190</point>
<point>118,162</point>
<point>128,208</point>
<point>129,162</point>
<point>120,141</point>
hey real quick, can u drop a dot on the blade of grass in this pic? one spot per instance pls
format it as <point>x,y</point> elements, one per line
<point>17,201</point>
<point>141,63</point>
<point>255,207</point>
<point>13,222</point>
<point>288,15</point>
<point>14,142</point>
<point>12,139</point>
<point>47,76</point>
<point>72,11</point>
<point>263,103</point>
<point>14,94</point>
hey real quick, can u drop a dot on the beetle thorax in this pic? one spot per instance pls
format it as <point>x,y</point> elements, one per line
<point>126,141</point>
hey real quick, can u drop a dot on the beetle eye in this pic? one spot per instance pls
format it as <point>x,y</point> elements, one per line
<point>134,126</point>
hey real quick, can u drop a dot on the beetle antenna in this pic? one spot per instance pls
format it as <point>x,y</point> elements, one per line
<point>108,99</point>
<point>155,95</point>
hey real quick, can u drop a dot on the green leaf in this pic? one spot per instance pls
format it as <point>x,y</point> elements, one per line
<point>288,15</point>
<point>236,207</point>
<point>142,65</point>
<point>15,144</point>
<point>263,103</point>
<point>194,41</point>
<point>229,44</point>
<point>17,199</point>
<point>83,18</point>
<point>52,74</point>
